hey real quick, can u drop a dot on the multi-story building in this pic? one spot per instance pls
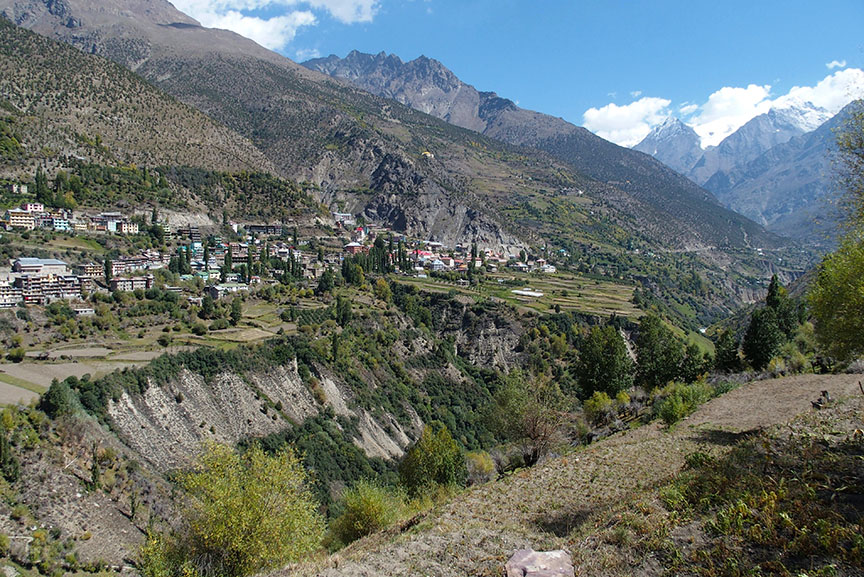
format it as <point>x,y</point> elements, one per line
<point>40,266</point>
<point>220,290</point>
<point>33,207</point>
<point>128,227</point>
<point>55,223</point>
<point>130,284</point>
<point>91,270</point>
<point>43,289</point>
<point>17,218</point>
<point>9,295</point>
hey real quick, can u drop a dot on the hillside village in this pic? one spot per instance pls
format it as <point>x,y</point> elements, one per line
<point>261,255</point>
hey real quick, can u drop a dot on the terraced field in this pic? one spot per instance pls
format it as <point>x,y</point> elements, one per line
<point>567,291</point>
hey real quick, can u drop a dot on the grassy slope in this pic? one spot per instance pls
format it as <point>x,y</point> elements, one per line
<point>604,502</point>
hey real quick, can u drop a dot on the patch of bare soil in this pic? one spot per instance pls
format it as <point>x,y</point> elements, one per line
<point>12,395</point>
<point>43,373</point>
<point>549,506</point>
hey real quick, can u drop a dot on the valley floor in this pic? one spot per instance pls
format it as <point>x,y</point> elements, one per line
<point>567,501</point>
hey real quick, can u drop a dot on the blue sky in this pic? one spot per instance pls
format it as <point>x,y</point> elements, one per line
<point>618,67</point>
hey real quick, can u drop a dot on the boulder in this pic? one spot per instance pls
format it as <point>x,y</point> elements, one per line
<point>530,563</point>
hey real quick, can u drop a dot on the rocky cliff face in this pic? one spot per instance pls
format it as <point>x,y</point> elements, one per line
<point>167,425</point>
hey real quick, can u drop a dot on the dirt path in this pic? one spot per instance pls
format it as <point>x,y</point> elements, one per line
<point>539,508</point>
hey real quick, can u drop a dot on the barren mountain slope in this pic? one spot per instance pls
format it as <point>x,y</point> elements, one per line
<point>68,103</point>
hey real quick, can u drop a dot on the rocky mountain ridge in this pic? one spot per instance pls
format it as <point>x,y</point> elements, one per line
<point>427,85</point>
<point>789,186</point>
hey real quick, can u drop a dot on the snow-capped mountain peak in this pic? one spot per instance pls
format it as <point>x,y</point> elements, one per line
<point>803,115</point>
<point>673,143</point>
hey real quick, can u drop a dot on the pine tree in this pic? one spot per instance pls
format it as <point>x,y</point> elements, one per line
<point>763,338</point>
<point>236,311</point>
<point>604,364</point>
<point>778,300</point>
<point>343,311</point>
<point>726,357</point>
<point>228,266</point>
<point>659,353</point>
<point>43,193</point>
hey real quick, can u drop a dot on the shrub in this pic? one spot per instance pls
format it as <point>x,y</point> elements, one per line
<point>776,367</point>
<point>219,324</point>
<point>58,400</point>
<point>532,413</point>
<point>367,508</point>
<point>164,340</point>
<point>598,408</point>
<point>19,512</point>
<point>10,469</point>
<point>246,513</point>
<point>481,467</point>
<point>435,459</point>
<point>199,329</point>
<point>16,355</point>
<point>677,400</point>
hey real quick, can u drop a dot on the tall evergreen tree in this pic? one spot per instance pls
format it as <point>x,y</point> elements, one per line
<point>604,364</point>
<point>228,265</point>
<point>659,353</point>
<point>778,300</point>
<point>726,357</point>
<point>41,190</point>
<point>763,338</point>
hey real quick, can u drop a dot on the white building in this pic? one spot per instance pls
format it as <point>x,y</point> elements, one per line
<point>40,266</point>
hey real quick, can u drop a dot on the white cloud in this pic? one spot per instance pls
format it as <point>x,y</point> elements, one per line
<point>835,64</point>
<point>627,125</point>
<point>727,110</point>
<point>304,54</point>
<point>636,93</point>
<point>730,108</point>
<point>272,33</point>
<point>831,93</point>
<point>347,11</point>
<point>285,17</point>
<point>688,109</point>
